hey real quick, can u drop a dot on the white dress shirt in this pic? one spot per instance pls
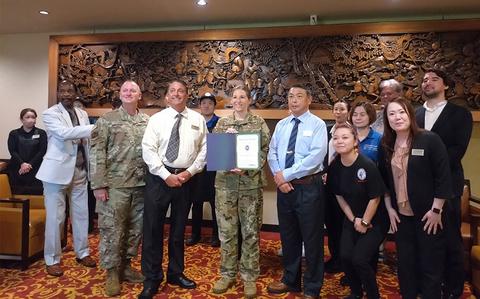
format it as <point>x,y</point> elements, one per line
<point>432,114</point>
<point>192,147</point>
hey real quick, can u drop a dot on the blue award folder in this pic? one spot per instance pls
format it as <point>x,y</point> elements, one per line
<point>221,151</point>
<point>227,151</point>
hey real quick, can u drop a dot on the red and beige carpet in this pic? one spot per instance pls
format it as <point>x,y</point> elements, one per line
<point>202,264</point>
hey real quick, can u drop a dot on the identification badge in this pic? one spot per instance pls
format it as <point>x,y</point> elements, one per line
<point>36,136</point>
<point>195,127</point>
<point>417,152</point>
<point>307,133</point>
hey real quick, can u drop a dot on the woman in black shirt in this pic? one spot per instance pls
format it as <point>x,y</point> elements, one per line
<point>357,185</point>
<point>415,166</point>
<point>27,146</point>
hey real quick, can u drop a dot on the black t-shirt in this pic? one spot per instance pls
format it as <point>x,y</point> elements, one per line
<point>358,184</point>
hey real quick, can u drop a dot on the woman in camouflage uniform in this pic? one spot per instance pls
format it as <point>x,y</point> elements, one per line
<point>239,195</point>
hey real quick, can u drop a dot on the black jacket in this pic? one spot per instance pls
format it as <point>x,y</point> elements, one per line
<point>428,173</point>
<point>454,126</point>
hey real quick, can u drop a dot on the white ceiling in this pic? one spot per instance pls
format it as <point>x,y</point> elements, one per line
<point>21,16</point>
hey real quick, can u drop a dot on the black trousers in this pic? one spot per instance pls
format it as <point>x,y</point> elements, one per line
<point>158,197</point>
<point>356,253</point>
<point>420,258</point>
<point>333,222</point>
<point>454,275</point>
<point>301,219</point>
<point>205,191</point>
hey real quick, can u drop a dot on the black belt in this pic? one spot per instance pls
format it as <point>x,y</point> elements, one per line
<point>306,180</point>
<point>173,170</point>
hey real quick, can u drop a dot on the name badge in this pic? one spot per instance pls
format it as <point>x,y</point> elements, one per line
<point>36,136</point>
<point>195,127</point>
<point>307,133</point>
<point>417,152</point>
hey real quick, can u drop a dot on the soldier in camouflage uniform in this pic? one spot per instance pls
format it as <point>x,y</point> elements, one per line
<point>117,177</point>
<point>239,195</point>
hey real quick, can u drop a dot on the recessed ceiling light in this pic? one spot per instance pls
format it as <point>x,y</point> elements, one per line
<point>43,12</point>
<point>202,2</point>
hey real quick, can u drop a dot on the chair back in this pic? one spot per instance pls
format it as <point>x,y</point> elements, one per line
<point>465,202</point>
<point>5,191</point>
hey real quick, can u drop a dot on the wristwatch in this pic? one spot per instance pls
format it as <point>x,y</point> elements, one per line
<point>364,223</point>
<point>436,210</point>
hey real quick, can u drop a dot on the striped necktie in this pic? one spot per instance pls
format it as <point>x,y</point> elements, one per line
<point>290,156</point>
<point>173,143</point>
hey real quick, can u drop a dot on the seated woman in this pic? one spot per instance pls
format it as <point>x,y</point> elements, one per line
<point>415,165</point>
<point>358,186</point>
<point>27,146</point>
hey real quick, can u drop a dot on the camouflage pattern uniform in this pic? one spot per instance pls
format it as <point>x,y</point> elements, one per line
<point>240,203</point>
<point>116,163</point>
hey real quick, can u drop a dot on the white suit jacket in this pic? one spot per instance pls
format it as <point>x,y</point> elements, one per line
<point>58,163</point>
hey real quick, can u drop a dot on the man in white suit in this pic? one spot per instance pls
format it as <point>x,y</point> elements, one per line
<point>64,174</point>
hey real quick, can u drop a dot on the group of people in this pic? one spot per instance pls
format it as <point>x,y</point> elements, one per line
<point>355,180</point>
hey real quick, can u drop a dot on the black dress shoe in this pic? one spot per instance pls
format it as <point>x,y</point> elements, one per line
<point>332,266</point>
<point>192,240</point>
<point>344,281</point>
<point>182,282</point>
<point>149,290</point>
<point>215,242</point>
<point>353,296</point>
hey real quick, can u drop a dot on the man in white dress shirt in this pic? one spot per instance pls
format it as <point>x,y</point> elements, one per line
<point>174,149</point>
<point>64,174</point>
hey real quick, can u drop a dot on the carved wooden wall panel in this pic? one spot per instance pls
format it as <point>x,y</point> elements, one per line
<point>335,67</point>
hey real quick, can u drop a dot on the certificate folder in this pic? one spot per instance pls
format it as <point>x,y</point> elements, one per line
<point>221,151</point>
<point>226,151</point>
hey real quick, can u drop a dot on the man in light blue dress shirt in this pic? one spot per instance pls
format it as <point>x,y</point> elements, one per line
<point>297,150</point>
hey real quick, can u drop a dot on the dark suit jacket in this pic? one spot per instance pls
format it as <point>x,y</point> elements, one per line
<point>454,126</point>
<point>428,173</point>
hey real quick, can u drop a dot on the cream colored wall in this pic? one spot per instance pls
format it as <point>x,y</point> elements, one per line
<point>24,83</point>
<point>23,80</point>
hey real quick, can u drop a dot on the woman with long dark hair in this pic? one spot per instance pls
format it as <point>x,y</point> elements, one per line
<point>415,165</point>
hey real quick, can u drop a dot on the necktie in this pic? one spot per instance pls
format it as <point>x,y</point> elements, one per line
<point>174,142</point>
<point>290,156</point>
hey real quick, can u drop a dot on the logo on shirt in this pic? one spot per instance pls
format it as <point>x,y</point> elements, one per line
<point>361,174</point>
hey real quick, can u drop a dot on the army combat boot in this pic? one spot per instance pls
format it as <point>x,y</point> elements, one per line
<point>129,274</point>
<point>250,289</point>
<point>222,285</point>
<point>112,285</point>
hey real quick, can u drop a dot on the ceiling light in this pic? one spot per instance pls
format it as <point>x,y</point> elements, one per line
<point>202,2</point>
<point>43,12</point>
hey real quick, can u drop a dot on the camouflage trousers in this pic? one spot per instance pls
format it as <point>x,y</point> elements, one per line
<point>120,220</point>
<point>242,209</point>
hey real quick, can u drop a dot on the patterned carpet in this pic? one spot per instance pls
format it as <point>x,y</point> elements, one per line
<point>202,264</point>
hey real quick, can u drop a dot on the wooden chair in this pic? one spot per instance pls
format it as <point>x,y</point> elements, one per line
<point>22,225</point>
<point>474,204</point>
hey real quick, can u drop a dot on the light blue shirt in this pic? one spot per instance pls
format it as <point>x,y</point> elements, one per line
<point>310,146</point>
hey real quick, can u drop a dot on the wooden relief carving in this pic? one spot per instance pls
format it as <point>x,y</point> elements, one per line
<point>334,67</point>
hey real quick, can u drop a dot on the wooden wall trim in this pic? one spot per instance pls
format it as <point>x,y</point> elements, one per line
<point>52,71</point>
<point>273,32</point>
